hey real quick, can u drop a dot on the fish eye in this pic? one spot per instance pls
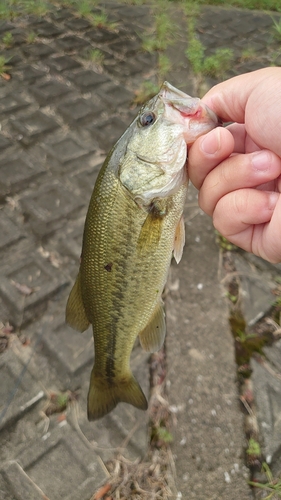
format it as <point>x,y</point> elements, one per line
<point>147,118</point>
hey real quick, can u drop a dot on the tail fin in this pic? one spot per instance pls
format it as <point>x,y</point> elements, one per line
<point>103,397</point>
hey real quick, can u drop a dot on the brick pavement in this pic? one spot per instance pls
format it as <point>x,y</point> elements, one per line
<point>60,114</point>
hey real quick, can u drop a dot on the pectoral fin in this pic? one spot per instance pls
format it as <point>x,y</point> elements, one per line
<point>75,311</point>
<point>179,240</point>
<point>153,335</point>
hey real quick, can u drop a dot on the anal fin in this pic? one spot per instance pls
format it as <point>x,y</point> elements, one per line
<point>153,335</point>
<point>75,312</point>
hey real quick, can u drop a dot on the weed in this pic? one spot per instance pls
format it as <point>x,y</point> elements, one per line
<point>164,65</point>
<point>34,7</point>
<point>101,21</point>
<point>272,486</point>
<point>31,37</point>
<point>8,39</point>
<point>219,63</point>
<point>277,29</point>
<point>95,56</point>
<point>248,54</point>
<point>3,65</point>
<point>253,448</point>
<point>163,32</point>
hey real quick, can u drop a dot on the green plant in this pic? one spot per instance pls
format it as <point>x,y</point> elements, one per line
<point>164,66</point>
<point>219,63</point>
<point>3,65</point>
<point>277,29</point>
<point>31,37</point>
<point>248,54</point>
<point>253,448</point>
<point>163,32</point>
<point>272,486</point>
<point>95,56</point>
<point>101,21</point>
<point>8,39</point>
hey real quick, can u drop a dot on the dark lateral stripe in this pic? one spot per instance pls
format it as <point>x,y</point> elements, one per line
<point>110,358</point>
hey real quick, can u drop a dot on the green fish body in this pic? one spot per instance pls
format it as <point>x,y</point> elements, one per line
<point>133,227</point>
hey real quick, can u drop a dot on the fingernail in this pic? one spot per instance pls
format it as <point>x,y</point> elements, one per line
<point>273,198</point>
<point>261,161</point>
<point>211,142</point>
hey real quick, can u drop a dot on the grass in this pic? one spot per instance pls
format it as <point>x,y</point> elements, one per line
<point>8,39</point>
<point>95,56</point>
<point>4,66</point>
<point>273,486</point>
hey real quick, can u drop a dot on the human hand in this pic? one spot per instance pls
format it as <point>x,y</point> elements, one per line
<point>238,169</point>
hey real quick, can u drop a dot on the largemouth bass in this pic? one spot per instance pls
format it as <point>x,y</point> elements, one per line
<point>133,227</point>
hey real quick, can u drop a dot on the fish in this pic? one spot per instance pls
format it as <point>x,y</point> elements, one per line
<point>134,225</point>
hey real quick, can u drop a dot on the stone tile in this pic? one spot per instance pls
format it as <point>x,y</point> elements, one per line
<point>12,103</point>
<point>116,95</point>
<point>16,174</point>
<point>48,92</point>
<point>37,51</point>
<point>71,352</point>
<point>31,127</point>
<point>66,150</point>
<point>100,35</point>
<point>26,287</point>
<point>107,132</point>
<point>19,392</point>
<point>80,110</point>
<point>4,142</point>
<point>88,80</point>
<point>267,393</point>
<point>28,73</point>
<point>70,43</point>
<point>256,290</point>
<point>78,24</point>
<point>62,63</point>
<point>45,29</point>
<point>80,472</point>
<point>10,232</point>
<point>47,208</point>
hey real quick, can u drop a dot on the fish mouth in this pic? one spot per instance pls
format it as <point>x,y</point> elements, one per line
<point>189,107</point>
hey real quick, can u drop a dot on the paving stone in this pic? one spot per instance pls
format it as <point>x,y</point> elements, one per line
<point>70,352</point>
<point>86,179</point>
<point>18,390</point>
<point>78,24</point>
<point>31,127</point>
<point>47,208</point>
<point>29,73</point>
<point>42,282</point>
<point>80,110</point>
<point>10,233</point>
<point>66,150</point>
<point>80,472</point>
<point>101,35</point>
<point>4,142</point>
<point>16,174</point>
<point>13,56</point>
<point>49,91</point>
<point>71,43</point>
<point>267,392</point>
<point>116,95</point>
<point>12,103</point>
<point>87,80</point>
<point>106,132</point>
<point>61,15</point>
<point>273,353</point>
<point>5,26</point>
<point>37,50</point>
<point>62,63</point>
<point>45,29</point>
<point>256,290</point>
